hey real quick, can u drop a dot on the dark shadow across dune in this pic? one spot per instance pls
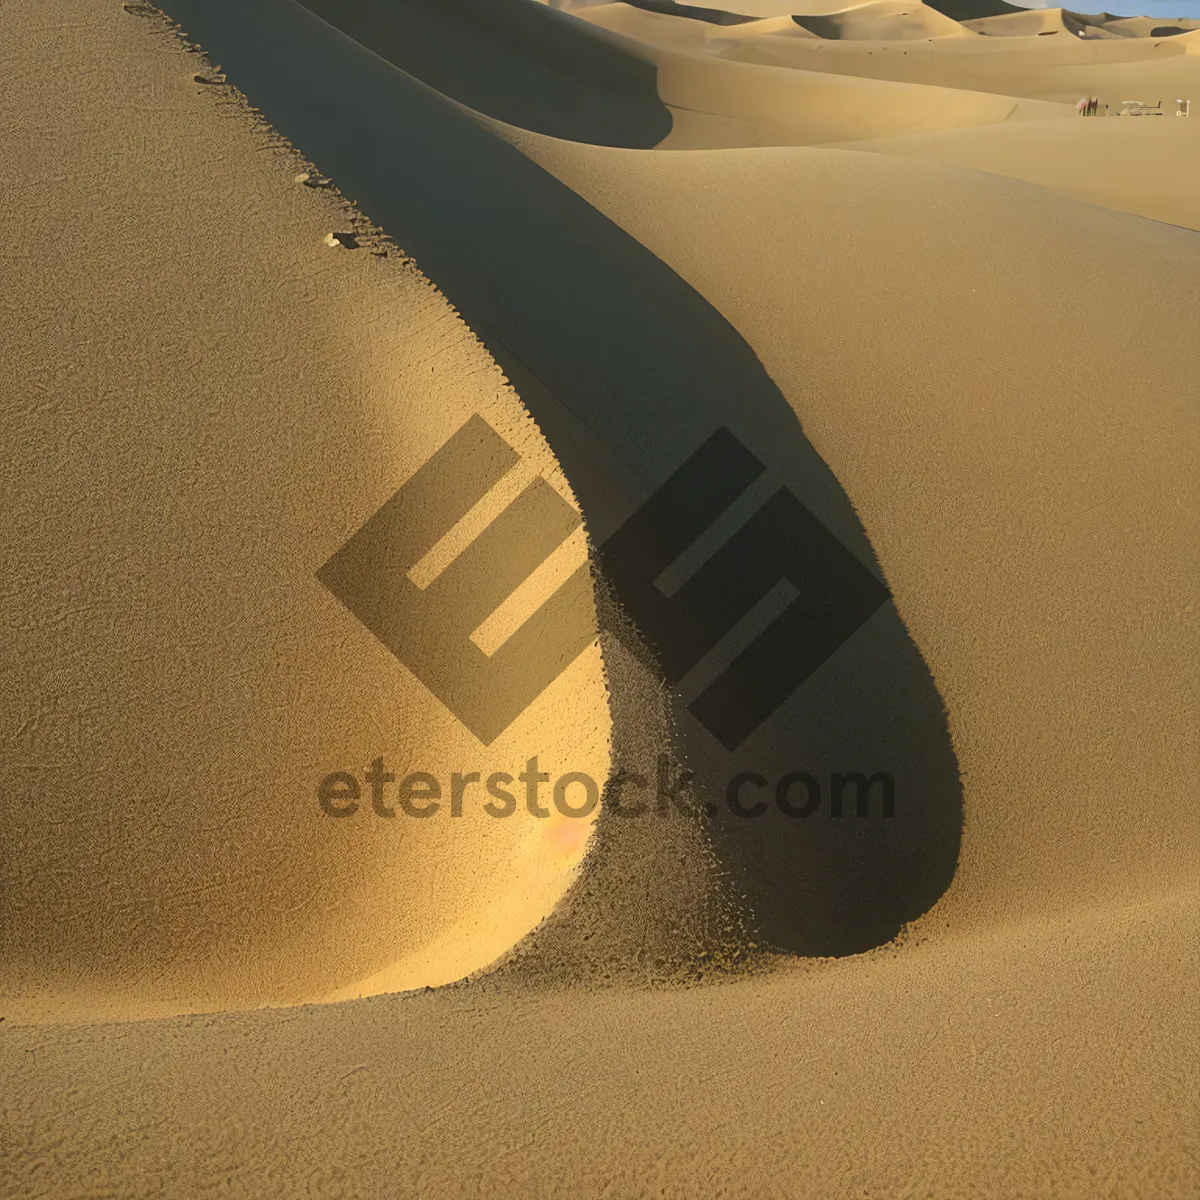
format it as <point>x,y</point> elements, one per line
<point>711,16</point>
<point>628,372</point>
<point>515,60</point>
<point>822,27</point>
<point>974,10</point>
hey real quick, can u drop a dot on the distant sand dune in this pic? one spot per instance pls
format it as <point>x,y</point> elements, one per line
<point>1058,67</point>
<point>728,86</point>
<point>718,101</point>
<point>883,20</point>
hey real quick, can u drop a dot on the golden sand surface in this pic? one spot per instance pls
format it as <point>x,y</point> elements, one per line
<point>262,263</point>
<point>181,458</point>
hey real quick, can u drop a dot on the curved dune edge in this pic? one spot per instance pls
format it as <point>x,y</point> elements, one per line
<point>981,406</point>
<point>182,459</point>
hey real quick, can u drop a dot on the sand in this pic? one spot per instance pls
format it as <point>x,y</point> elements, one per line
<point>1000,89</point>
<point>182,681</point>
<point>955,320</point>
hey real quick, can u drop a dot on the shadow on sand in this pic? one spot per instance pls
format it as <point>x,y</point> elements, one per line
<point>628,371</point>
<point>524,64</point>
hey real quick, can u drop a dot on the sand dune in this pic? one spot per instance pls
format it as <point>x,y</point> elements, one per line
<point>1036,23</point>
<point>181,682</point>
<point>882,20</point>
<point>600,233</point>
<point>955,388</point>
<point>619,428</point>
<point>727,86</point>
<point>1151,26</point>
<point>716,100</point>
<point>1015,61</point>
<point>1151,169</point>
<point>1040,22</point>
<point>722,103</point>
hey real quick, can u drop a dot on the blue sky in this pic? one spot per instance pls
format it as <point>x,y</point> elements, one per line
<point>1128,8</point>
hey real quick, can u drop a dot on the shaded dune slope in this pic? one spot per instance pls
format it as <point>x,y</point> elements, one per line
<point>537,272</point>
<point>520,62</point>
<point>692,12</point>
<point>978,407</point>
<point>973,10</point>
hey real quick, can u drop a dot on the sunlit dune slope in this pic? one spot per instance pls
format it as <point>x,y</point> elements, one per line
<point>1151,168</point>
<point>204,401</point>
<point>883,20</point>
